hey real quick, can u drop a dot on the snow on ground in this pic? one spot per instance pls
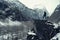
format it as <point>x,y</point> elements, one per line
<point>56,36</point>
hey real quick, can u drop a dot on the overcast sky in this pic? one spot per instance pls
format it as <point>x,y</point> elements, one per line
<point>49,4</point>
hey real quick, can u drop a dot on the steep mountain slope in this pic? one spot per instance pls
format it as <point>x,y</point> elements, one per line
<point>55,17</point>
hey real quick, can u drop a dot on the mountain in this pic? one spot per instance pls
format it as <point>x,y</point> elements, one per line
<point>55,17</point>
<point>17,11</point>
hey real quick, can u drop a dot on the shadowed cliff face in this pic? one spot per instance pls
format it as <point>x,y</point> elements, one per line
<point>55,17</point>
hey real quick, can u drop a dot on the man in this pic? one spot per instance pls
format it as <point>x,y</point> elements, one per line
<point>44,16</point>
